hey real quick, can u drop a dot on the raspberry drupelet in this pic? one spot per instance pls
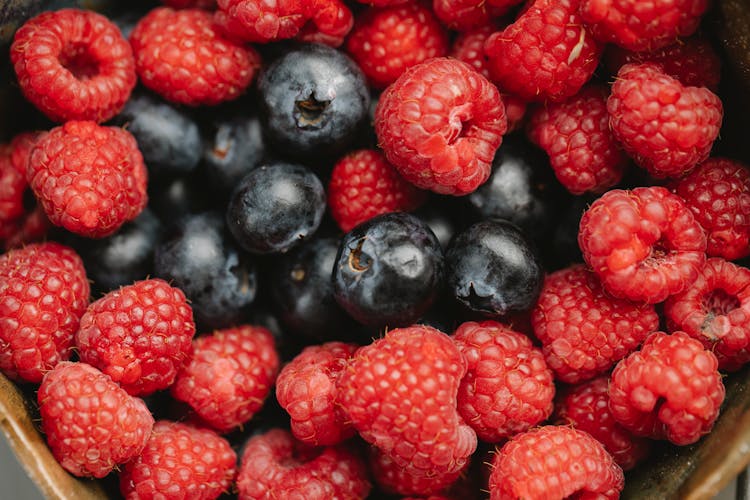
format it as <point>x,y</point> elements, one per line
<point>399,480</point>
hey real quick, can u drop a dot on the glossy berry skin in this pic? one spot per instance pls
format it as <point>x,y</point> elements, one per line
<point>235,147</point>
<point>388,270</point>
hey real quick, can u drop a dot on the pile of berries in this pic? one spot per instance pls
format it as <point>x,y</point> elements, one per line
<point>332,250</point>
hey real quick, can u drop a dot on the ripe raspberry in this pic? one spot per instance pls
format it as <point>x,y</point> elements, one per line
<point>716,311</point>
<point>508,387</point>
<point>640,26</point>
<point>31,228</point>
<point>179,462</point>
<point>400,394</point>
<point>546,54</point>
<point>306,389</point>
<point>644,244</point>
<point>383,3</point>
<point>395,479</point>
<point>91,424</point>
<point>665,127</point>
<point>718,194</point>
<point>229,376</point>
<point>330,24</point>
<point>586,407</point>
<point>274,465</point>
<point>190,4</point>
<point>583,330</point>
<point>73,65</point>
<point>89,179</point>
<point>12,186</point>
<point>670,389</point>
<point>440,125</point>
<point>464,15</point>
<point>554,462</point>
<point>180,56</point>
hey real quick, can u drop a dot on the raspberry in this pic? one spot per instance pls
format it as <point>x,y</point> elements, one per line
<point>554,462</point>
<point>180,56</point>
<point>275,466</point>
<point>640,26</point>
<point>385,42</point>
<point>306,389</point>
<point>363,185</point>
<point>383,3</point>
<point>330,24</point>
<point>393,478</point>
<point>229,376</point>
<point>575,134</point>
<point>12,186</point>
<point>180,462</point>
<point>644,244</point>
<point>665,127</point>
<point>89,179</point>
<point>716,311</point>
<point>29,229</point>
<point>400,394</point>
<point>718,194</point>
<point>583,330</point>
<point>139,335</point>
<point>91,424</point>
<point>508,387</point>
<point>546,54</point>
<point>190,4</point>
<point>586,407</point>
<point>73,65</point>
<point>670,389</point>
<point>467,15</point>
<point>440,125</point>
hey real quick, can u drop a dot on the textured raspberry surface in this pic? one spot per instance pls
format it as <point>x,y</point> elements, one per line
<point>644,244</point>
<point>399,480</point>
<point>73,65</point>
<point>718,194</point>
<point>139,335</point>
<point>229,375</point>
<point>90,423</point>
<point>440,125</point>
<point>583,330</point>
<point>180,462</point>
<point>89,179</point>
<point>190,4</point>
<point>467,15</point>
<point>180,55</point>
<point>670,389</point>
<point>275,466</point>
<point>554,462</point>
<point>665,127</point>
<point>546,54</point>
<point>508,387</point>
<point>330,23</point>
<point>43,294</point>
<point>12,186</point>
<point>29,229</point>
<point>383,3</point>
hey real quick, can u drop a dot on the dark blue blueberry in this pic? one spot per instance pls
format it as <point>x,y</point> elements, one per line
<point>235,147</point>
<point>175,197</point>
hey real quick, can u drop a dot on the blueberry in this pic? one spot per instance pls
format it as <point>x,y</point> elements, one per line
<point>175,197</point>
<point>440,220</point>
<point>388,270</point>
<point>275,207</point>
<point>235,147</point>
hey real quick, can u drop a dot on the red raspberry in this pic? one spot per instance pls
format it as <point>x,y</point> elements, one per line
<point>467,15</point>
<point>554,462</point>
<point>73,65</point>
<point>12,186</point>
<point>180,56</point>
<point>89,179</point>
<point>665,127</point>
<point>306,389</point>
<point>670,389</point>
<point>400,394</point>
<point>393,478</point>
<point>139,335</point>
<point>718,194</point>
<point>179,462</point>
<point>584,330</point>
<point>90,423</point>
<point>440,125</point>
<point>363,185</point>
<point>575,134</point>
<point>31,228</point>
<point>638,25</point>
<point>716,311</point>
<point>586,407</point>
<point>330,24</point>
<point>644,244</point>
<point>545,54</point>
<point>190,4</point>
<point>508,387</point>
<point>229,376</point>
<point>274,465</point>
<point>383,3</point>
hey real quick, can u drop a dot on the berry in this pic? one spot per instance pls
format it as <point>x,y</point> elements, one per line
<point>469,48</point>
<point>43,294</point>
<point>644,244</point>
<point>12,184</point>
<point>180,56</point>
<point>393,478</point>
<point>73,65</point>
<point>440,124</point>
<point>666,127</point>
<point>670,389</point>
<point>90,423</point>
<point>467,15</point>
<point>190,4</point>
